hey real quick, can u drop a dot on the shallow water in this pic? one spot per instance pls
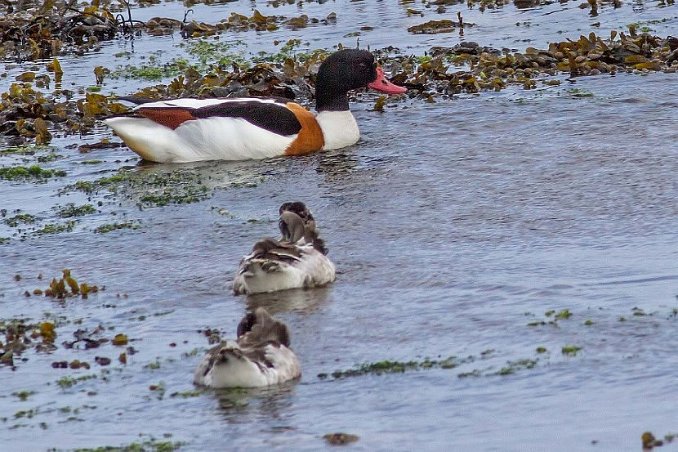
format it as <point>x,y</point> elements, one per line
<point>453,226</point>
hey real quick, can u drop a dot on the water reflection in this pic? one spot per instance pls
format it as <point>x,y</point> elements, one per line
<point>295,300</point>
<point>211,175</point>
<point>336,164</point>
<point>246,405</point>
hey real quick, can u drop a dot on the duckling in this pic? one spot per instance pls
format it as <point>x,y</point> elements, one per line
<point>297,260</point>
<point>260,356</point>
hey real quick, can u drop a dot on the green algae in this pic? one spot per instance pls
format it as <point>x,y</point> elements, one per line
<point>394,367</point>
<point>26,173</point>
<point>570,350</point>
<point>514,366</point>
<point>83,185</point>
<point>153,70</point>
<point>23,395</point>
<point>563,315</point>
<point>475,373</point>
<point>19,150</point>
<point>579,93</point>
<point>69,382</point>
<point>144,446</point>
<point>153,365</point>
<point>56,228</point>
<point>71,210</point>
<point>90,187</point>
<point>187,394</point>
<point>150,72</point>
<point>41,153</point>
<point>103,229</point>
<point>21,218</point>
<point>52,156</point>
<point>554,315</point>
<point>28,414</point>
<point>389,367</point>
<point>215,53</point>
<point>148,189</point>
<point>171,195</point>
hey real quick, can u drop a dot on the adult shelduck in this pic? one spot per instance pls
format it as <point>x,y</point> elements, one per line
<point>260,356</point>
<point>297,260</point>
<point>189,130</point>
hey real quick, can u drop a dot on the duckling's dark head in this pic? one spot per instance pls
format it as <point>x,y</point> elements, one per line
<point>297,207</point>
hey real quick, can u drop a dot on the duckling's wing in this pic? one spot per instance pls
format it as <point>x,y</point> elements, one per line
<point>286,253</point>
<point>269,248</point>
<point>258,355</point>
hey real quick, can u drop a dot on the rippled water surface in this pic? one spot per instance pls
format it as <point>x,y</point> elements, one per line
<point>459,228</point>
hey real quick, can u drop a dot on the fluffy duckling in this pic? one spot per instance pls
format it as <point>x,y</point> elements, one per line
<point>259,357</point>
<point>297,260</point>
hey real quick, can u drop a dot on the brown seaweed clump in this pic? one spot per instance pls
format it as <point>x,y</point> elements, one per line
<point>433,27</point>
<point>470,68</point>
<point>290,79</point>
<point>53,28</point>
<point>67,286</point>
<point>233,23</point>
<point>17,335</point>
<point>27,114</point>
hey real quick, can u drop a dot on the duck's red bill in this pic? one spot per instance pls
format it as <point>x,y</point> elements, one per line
<point>382,84</point>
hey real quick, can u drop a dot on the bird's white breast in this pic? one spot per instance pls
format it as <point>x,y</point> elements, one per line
<point>340,129</point>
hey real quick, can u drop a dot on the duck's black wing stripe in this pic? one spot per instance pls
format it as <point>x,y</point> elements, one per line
<point>275,118</point>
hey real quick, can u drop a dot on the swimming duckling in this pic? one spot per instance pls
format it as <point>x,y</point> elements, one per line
<point>297,260</point>
<point>260,356</point>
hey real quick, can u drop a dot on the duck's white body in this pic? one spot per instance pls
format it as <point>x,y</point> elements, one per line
<point>223,138</point>
<point>189,130</point>
<point>261,356</point>
<point>258,275</point>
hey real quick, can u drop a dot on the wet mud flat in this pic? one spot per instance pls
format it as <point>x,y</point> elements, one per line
<point>506,244</point>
